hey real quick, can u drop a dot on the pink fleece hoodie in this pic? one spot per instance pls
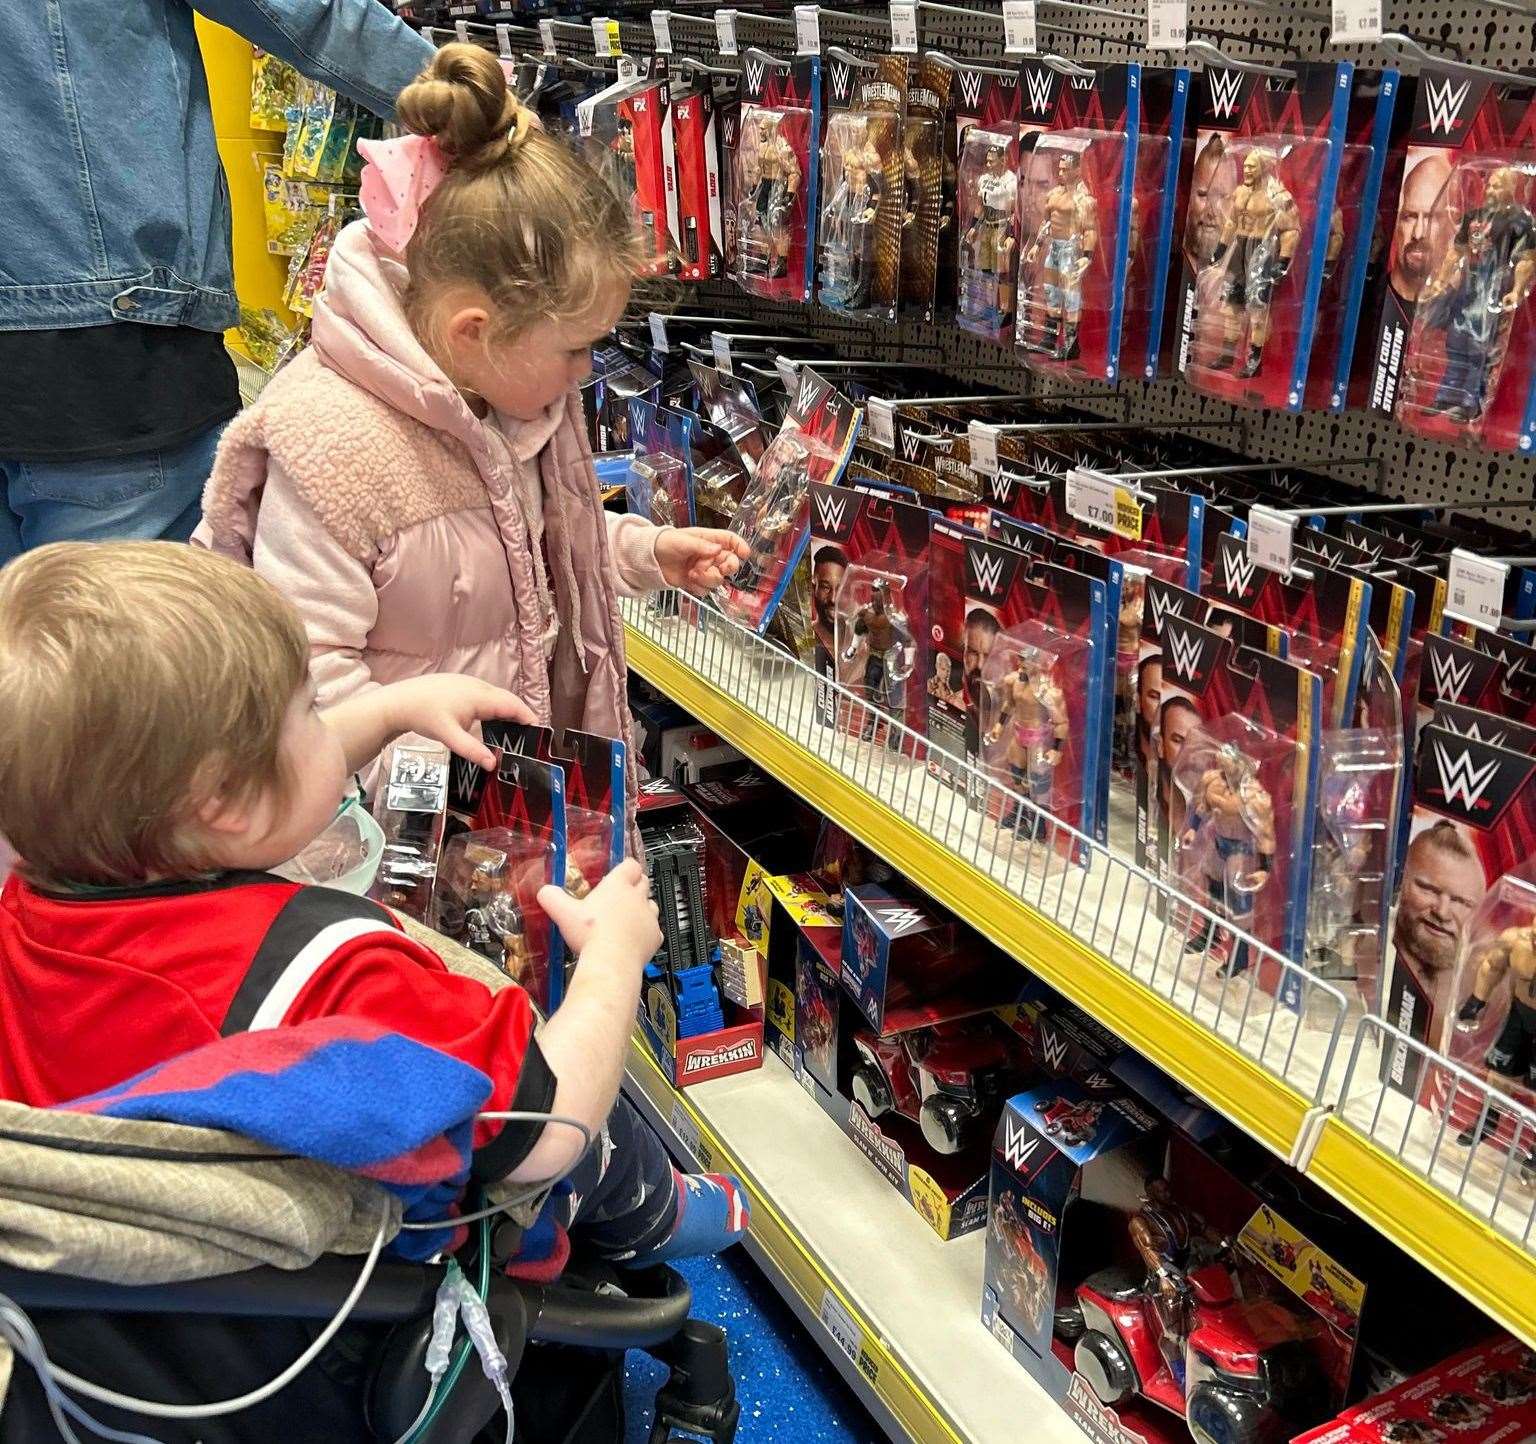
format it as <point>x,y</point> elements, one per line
<point>398,523</point>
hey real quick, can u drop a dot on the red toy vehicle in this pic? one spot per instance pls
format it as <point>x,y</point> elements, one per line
<point>946,1078</point>
<point>1247,1375</point>
<point>1073,1123</point>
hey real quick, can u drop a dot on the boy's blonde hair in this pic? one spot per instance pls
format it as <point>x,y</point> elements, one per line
<point>137,680</point>
<point>519,215</point>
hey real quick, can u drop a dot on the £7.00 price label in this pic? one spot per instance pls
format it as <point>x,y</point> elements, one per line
<point>1270,535</point>
<point>1097,500</point>
<point>686,1129</point>
<point>880,421</point>
<point>843,1327</point>
<point>983,439</point>
<point>1476,588</point>
<point>1356,22</point>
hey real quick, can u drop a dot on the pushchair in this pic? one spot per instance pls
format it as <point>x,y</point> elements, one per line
<point>186,1265</point>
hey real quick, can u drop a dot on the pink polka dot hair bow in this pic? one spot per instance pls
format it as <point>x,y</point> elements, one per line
<point>397,181</point>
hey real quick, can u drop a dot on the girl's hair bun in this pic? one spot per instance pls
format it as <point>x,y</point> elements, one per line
<point>463,102</point>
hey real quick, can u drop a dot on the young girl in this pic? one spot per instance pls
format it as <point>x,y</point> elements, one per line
<point>418,482</point>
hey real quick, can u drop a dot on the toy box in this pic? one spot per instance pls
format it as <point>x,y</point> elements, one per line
<point>978,254</point>
<point>1145,1319</point>
<point>925,220</point>
<point>1149,243</point>
<point>897,949</point>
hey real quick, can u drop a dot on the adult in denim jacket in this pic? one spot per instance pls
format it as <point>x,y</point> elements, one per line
<point>115,275</point>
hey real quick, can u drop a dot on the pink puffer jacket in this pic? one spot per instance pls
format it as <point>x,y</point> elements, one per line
<point>363,487</point>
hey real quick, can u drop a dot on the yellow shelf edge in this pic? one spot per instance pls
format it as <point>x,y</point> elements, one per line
<point>1252,1097</point>
<point>1492,1270</point>
<point>917,1413</point>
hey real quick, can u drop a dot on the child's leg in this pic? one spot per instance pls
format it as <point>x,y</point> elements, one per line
<point>627,1203</point>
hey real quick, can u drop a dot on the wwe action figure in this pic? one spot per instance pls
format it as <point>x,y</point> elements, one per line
<point>1483,279</point>
<point>770,509</point>
<point>1133,592</point>
<point>1170,1240</point>
<point>621,150</point>
<point>1069,235</point>
<point>986,248</point>
<point>882,629</point>
<point>1512,1055</point>
<point>773,182</point>
<point>1232,807</point>
<point>847,226</point>
<point>1034,705</point>
<point>1258,243</point>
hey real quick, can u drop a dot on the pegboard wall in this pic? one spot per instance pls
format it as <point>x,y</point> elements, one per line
<point>1502,34</point>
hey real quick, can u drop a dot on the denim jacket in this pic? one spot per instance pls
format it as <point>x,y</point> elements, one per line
<point>115,204</point>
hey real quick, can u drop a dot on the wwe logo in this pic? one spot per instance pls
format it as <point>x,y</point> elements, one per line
<point>807,399</point>
<point>910,442</point>
<point>1226,86</point>
<point>755,77</point>
<point>1445,104</point>
<point>1039,83</point>
<point>1018,1145</point>
<point>988,572</point>
<point>842,78</point>
<point>1238,569</point>
<point>830,509</point>
<point>1450,675</point>
<point>900,921</point>
<point>1164,604</point>
<point>465,775</point>
<point>1097,1081</point>
<point>970,86</point>
<point>1473,732</point>
<point>1054,1047</point>
<point>1461,781</point>
<point>1187,650</point>
<point>1000,486</point>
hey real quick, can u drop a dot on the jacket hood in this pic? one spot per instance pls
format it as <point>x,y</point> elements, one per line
<point>361,332</point>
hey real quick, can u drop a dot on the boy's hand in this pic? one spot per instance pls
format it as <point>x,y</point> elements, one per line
<point>698,558</point>
<point>447,708</point>
<point>618,914</point>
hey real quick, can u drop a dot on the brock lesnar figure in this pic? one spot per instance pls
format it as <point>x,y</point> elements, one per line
<point>777,172</point>
<point>1257,245</point>
<point>1485,276</point>
<point>1513,1054</point>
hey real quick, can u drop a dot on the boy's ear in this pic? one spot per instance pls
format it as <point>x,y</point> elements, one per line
<point>224,816</point>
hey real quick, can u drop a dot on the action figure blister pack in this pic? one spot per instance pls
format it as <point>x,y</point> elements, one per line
<point>813,444</point>
<point>987,219</point>
<point>1006,591</point>
<point>1072,246</point>
<point>1261,210</point>
<point>411,805</point>
<point>618,376</point>
<point>925,220</point>
<point>863,187</point>
<point>990,100</point>
<point>731,404</point>
<point>660,484</point>
<point>776,166</point>
<point>622,131</point>
<point>1149,237</point>
<point>700,219</point>
<point>1454,346</point>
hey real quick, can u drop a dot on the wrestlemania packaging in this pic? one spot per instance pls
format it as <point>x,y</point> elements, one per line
<point>776,166</point>
<point>1454,348</point>
<point>1083,133</point>
<point>813,445</point>
<point>987,202</point>
<point>1261,210</point>
<point>926,219</point>
<point>864,190</point>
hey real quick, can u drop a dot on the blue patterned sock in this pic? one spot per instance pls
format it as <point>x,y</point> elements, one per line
<point>712,1214</point>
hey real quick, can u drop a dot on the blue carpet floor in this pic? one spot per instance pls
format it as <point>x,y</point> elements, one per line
<point>788,1390</point>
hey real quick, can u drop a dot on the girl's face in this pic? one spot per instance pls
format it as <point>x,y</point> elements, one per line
<point>524,376</point>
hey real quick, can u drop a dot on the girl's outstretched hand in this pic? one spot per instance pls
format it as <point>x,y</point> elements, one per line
<point>697,558</point>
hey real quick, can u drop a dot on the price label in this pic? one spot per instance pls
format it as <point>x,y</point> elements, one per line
<point>461,29</point>
<point>1019,27</point>
<point>686,1129</point>
<point>1167,24</point>
<point>1098,500</point>
<point>659,332</point>
<point>504,41</point>
<point>429,34</point>
<point>725,31</point>
<point>1269,538</point>
<point>843,1327</point>
<point>1476,591</point>
<point>722,348</point>
<point>880,417</point>
<point>786,369</point>
<point>807,30</point>
<point>1356,22</point>
<point>661,30</point>
<point>983,439</point>
<point>547,36</point>
<point>806,1081</point>
<point>903,27</point>
<point>605,37</point>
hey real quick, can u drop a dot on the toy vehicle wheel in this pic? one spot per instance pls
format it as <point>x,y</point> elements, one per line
<point>1106,1367</point>
<point>946,1122</point>
<point>870,1090</point>
<point>1068,1323</point>
<point>1223,1416</point>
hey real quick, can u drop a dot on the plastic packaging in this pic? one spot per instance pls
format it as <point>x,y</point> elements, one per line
<point>876,649</point>
<point>987,215</point>
<point>770,185</point>
<point>346,856</point>
<point>410,806</point>
<point>855,183</point>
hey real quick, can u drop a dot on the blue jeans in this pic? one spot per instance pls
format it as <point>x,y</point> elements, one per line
<point>147,496</point>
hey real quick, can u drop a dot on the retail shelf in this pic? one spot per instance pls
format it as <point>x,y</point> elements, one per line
<point>897,1311</point>
<point>1104,933</point>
